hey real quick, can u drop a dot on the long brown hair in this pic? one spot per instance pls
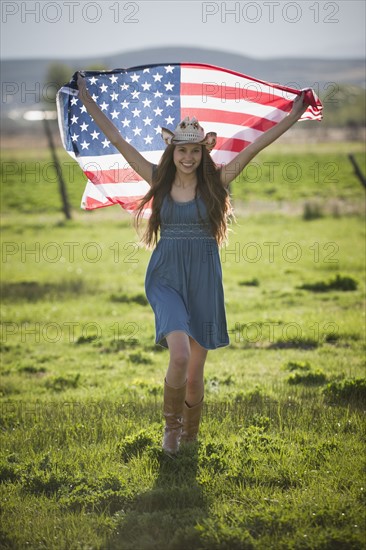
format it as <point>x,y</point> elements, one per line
<point>209,186</point>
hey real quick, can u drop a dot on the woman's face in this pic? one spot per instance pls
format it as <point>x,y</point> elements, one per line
<point>187,157</point>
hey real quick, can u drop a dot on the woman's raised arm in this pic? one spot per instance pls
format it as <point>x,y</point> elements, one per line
<point>142,166</point>
<point>231,170</point>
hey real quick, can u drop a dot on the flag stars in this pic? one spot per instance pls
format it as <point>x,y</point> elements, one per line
<point>139,102</point>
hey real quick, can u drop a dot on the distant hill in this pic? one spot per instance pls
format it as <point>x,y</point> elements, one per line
<point>23,80</point>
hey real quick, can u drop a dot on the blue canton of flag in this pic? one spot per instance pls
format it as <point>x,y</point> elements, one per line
<point>139,103</point>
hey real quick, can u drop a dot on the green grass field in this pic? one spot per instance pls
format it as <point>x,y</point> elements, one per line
<point>280,462</point>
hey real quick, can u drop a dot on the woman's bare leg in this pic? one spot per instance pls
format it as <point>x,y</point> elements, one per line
<point>194,393</point>
<point>180,354</point>
<point>183,390</point>
<point>195,383</point>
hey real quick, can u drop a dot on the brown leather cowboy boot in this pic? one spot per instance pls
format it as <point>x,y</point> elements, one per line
<point>173,413</point>
<point>191,422</point>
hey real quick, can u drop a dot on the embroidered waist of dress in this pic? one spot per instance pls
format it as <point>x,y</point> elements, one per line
<point>185,231</point>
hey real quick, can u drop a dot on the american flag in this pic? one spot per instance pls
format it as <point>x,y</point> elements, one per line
<point>141,100</point>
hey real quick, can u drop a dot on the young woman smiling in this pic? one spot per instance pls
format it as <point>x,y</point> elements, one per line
<point>190,210</point>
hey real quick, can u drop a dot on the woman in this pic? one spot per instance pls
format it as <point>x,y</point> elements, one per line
<point>190,208</point>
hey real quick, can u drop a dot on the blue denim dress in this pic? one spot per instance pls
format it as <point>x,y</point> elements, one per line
<point>183,280</point>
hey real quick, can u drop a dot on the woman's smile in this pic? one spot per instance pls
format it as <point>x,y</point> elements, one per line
<point>187,156</point>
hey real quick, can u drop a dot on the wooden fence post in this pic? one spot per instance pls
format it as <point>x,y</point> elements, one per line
<point>357,169</point>
<point>61,182</point>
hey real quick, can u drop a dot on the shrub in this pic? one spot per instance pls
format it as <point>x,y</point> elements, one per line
<point>32,369</point>
<point>135,444</point>
<point>250,282</point>
<point>140,358</point>
<point>346,391</point>
<point>312,211</point>
<point>118,344</point>
<point>61,383</point>
<point>309,378</point>
<point>86,339</point>
<point>339,282</point>
<point>127,299</point>
<point>295,343</point>
<point>297,365</point>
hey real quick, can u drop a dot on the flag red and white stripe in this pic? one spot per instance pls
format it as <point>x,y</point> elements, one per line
<point>141,100</point>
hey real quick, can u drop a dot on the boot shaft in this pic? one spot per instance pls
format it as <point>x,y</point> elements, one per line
<point>174,399</point>
<point>191,421</point>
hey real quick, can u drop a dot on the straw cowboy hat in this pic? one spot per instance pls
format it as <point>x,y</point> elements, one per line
<point>189,131</point>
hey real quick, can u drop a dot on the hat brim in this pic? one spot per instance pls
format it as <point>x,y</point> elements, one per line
<point>209,140</point>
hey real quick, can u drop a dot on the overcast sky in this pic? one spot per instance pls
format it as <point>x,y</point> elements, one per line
<point>81,28</point>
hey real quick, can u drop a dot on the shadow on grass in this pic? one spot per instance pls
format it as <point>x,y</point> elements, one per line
<point>33,291</point>
<point>295,343</point>
<point>166,515</point>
